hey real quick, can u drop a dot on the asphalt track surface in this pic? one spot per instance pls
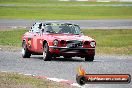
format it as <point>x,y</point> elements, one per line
<point>67,68</point>
<point>84,24</point>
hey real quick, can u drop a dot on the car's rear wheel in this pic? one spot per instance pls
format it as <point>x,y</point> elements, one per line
<point>89,58</point>
<point>46,53</point>
<point>25,52</point>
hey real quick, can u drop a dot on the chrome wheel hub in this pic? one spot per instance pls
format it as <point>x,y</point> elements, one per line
<point>44,54</point>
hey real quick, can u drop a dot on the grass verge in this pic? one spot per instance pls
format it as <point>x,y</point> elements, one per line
<point>14,80</point>
<point>49,10</point>
<point>11,37</point>
<point>108,41</point>
<point>112,41</point>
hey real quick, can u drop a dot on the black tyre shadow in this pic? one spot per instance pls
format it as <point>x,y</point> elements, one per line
<point>68,59</point>
<point>62,59</point>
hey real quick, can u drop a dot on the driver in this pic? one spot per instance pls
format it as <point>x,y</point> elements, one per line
<point>65,29</point>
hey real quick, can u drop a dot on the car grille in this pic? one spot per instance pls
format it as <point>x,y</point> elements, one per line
<point>74,43</point>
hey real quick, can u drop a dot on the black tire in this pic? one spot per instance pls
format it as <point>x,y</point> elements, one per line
<point>89,58</point>
<point>46,53</point>
<point>25,52</point>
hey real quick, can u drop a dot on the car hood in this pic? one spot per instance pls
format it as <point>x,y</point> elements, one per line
<point>71,37</point>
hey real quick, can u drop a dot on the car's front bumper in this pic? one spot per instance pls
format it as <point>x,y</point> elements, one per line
<point>56,47</point>
<point>67,51</point>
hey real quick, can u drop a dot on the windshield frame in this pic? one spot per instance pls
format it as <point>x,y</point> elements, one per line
<point>62,28</point>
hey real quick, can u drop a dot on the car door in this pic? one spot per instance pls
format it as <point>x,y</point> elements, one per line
<point>36,37</point>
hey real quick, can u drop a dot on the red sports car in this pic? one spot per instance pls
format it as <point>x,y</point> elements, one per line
<point>55,39</point>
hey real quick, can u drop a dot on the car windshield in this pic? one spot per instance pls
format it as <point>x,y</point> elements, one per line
<point>62,28</point>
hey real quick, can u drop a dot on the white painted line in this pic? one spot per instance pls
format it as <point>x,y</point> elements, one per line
<point>77,85</point>
<point>24,27</point>
<point>3,71</point>
<point>33,75</point>
<point>20,73</point>
<point>81,0</point>
<point>14,27</point>
<point>56,79</point>
<point>103,0</point>
<point>64,0</point>
<point>28,74</point>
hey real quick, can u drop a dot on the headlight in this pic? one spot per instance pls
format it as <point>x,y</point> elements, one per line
<point>55,42</point>
<point>92,44</point>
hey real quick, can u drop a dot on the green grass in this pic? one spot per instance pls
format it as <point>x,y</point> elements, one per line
<point>44,9</point>
<point>112,41</point>
<point>108,41</point>
<point>11,38</point>
<point>56,2</point>
<point>14,80</point>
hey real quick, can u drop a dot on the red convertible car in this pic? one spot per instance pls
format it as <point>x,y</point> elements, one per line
<point>55,39</point>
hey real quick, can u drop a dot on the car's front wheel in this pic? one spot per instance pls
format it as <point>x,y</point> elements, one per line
<point>25,52</point>
<point>46,53</point>
<point>89,58</point>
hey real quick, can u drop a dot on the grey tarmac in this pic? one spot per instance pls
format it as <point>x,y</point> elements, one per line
<point>84,24</point>
<point>67,68</point>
